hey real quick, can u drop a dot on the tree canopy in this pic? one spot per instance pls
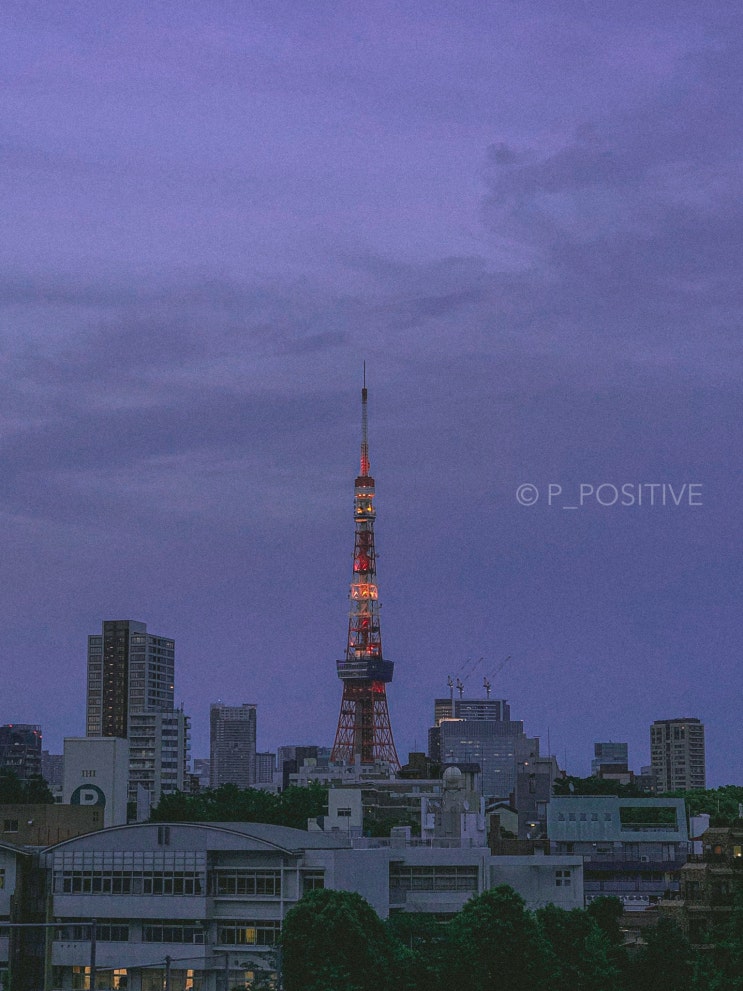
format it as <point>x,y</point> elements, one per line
<point>14,791</point>
<point>228,803</point>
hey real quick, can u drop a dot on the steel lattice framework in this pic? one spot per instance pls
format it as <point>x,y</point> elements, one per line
<point>364,724</point>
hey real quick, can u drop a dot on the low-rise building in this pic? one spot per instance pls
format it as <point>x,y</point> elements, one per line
<point>632,848</point>
<point>708,885</point>
<point>213,896</point>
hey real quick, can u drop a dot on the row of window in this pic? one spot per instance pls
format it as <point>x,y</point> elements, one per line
<point>433,878</point>
<point>139,882</point>
<point>129,882</point>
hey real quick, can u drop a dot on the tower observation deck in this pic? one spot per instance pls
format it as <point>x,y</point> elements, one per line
<point>364,724</point>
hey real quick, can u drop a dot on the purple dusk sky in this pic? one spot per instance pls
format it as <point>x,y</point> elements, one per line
<point>525,216</point>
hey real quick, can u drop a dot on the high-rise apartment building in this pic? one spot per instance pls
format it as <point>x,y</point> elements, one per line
<point>677,753</point>
<point>158,753</point>
<point>129,671</point>
<point>20,750</point>
<point>232,745</point>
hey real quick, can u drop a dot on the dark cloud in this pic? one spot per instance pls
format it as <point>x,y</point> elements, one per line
<point>212,220</point>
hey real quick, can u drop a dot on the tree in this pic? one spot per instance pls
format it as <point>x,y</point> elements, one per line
<point>580,952</point>
<point>335,941</point>
<point>425,941</point>
<point>495,942</point>
<point>722,804</point>
<point>228,803</point>
<point>666,962</point>
<point>14,791</point>
<point>594,785</point>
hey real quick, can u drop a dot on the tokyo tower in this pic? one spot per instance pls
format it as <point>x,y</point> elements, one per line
<point>364,723</point>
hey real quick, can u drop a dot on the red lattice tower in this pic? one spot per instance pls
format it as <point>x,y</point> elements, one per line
<point>364,723</point>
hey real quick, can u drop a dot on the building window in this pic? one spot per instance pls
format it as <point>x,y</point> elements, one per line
<point>105,932</point>
<point>88,774</point>
<point>563,879</point>
<point>343,812</point>
<point>312,880</point>
<point>163,835</point>
<point>262,932</point>
<point>2,878</point>
<point>128,882</point>
<point>246,882</point>
<point>404,878</point>
<point>173,932</point>
<point>10,825</point>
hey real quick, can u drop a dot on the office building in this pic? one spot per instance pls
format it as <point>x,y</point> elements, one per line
<point>677,754</point>
<point>481,731</point>
<point>129,670</point>
<point>265,768</point>
<point>614,755</point>
<point>232,745</point>
<point>20,750</point>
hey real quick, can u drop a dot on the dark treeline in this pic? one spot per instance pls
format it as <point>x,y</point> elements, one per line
<point>16,791</point>
<point>334,941</point>
<point>228,803</point>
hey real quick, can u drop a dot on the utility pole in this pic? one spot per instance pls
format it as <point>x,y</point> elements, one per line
<point>93,938</point>
<point>168,961</point>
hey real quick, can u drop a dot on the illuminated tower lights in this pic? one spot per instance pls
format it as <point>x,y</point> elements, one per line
<point>364,729</point>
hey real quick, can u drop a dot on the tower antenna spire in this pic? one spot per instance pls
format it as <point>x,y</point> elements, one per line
<point>364,473</point>
<point>364,732</point>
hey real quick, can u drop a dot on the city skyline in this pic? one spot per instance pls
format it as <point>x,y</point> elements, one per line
<point>526,223</point>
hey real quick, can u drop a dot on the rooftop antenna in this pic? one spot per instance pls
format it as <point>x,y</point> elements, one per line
<point>460,687</point>
<point>487,686</point>
<point>450,683</point>
<point>364,432</point>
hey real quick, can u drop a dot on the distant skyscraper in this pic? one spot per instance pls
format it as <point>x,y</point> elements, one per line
<point>232,745</point>
<point>129,671</point>
<point>265,767</point>
<point>677,754</point>
<point>20,750</point>
<point>481,731</point>
<point>615,754</point>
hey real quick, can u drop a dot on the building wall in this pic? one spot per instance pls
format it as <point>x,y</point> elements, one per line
<point>42,825</point>
<point>211,884</point>
<point>95,774</point>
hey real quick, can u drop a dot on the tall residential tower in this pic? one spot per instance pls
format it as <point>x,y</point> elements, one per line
<point>129,670</point>
<point>364,729</point>
<point>677,754</point>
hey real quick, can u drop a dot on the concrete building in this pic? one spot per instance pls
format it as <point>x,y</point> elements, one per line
<point>158,757</point>
<point>633,848</point>
<point>129,670</point>
<point>232,745</point>
<point>677,754</point>
<point>20,750</point>
<point>213,896</point>
<point>95,775</point>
